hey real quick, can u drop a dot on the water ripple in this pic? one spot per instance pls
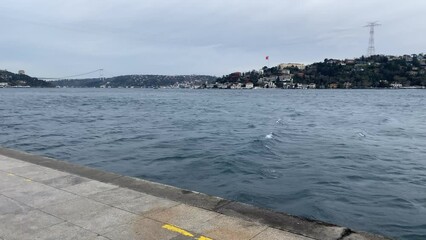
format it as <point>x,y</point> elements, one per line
<point>354,158</point>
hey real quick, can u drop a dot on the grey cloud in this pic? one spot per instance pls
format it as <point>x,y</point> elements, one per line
<point>56,38</point>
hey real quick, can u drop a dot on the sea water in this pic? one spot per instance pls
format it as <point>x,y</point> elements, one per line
<point>356,158</point>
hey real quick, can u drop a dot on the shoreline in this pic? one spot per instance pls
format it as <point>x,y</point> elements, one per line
<point>273,219</point>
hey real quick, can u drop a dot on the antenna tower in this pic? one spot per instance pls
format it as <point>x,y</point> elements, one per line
<point>371,49</point>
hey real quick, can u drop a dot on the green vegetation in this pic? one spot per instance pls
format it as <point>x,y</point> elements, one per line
<point>377,71</point>
<point>9,79</point>
<point>146,81</point>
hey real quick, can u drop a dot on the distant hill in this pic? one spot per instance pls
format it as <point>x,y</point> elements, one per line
<point>136,81</point>
<point>21,80</point>
<point>379,71</point>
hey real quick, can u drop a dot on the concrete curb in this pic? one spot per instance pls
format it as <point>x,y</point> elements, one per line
<point>297,225</point>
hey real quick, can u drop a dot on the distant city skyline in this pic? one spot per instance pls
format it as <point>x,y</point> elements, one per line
<point>49,38</point>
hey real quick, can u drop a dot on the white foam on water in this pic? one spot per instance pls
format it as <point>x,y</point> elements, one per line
<point>269,136</point>
<point>361,134</point>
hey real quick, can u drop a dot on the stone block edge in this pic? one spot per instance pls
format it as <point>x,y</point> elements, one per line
<point>298,225</point>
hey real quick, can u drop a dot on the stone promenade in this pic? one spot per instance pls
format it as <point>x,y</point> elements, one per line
<point>44,198</point>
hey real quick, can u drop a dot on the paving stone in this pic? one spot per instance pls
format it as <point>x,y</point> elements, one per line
<point>183,216</point>
<point>60,165</point>
<point>310,228</point>
<point>8,181</point>
<point>105,221</point>
<point>102,238</point>
<point>65,181</point>
<point>275,234</point>
<point>143,229</point>
<point>146,204</point>
<point>116,196</point>
<point>91,215</point>
<point>8,206</point>
<point>37,195</point>
<point>75,209</point>
<point>88,188</point>
<point>64,231</point>
<point>37,173</point>
<point>181,237</point>
<point>24,225</point>
<point>8,163</point>
<point>224,227</point>
<point>117,213</point>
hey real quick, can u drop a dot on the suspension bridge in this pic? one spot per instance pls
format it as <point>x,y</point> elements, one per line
<point>99,73</point>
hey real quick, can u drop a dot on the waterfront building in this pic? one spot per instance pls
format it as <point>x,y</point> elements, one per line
<point>312,86</point>
<point>332,85</point>
<point>289,65</point>
<point>396,85</point>
<point>249,85</point>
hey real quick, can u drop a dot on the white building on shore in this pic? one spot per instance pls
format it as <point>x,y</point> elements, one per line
<point>289,65</point>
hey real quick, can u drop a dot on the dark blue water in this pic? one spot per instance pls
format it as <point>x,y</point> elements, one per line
<point>355,158</point>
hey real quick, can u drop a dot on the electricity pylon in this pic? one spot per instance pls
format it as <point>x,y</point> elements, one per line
<point>371,49</point>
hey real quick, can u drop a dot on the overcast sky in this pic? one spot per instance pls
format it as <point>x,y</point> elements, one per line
<point>53,38</point>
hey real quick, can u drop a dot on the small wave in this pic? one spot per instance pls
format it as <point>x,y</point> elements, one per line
<point>269,136</point>
<point>270,173</point>
<point>295,115</point>
<point>360,134</point>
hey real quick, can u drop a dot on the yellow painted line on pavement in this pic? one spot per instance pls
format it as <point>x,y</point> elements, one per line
<point>183,232</point>
<point>204,238</point>
<point>178,230</point>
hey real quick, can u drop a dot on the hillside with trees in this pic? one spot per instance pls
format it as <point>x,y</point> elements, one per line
<point>9,79</point>
<point>144,81</point>
<point>377,71</point>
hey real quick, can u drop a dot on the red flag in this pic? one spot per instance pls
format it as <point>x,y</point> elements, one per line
<point>267,57</point>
